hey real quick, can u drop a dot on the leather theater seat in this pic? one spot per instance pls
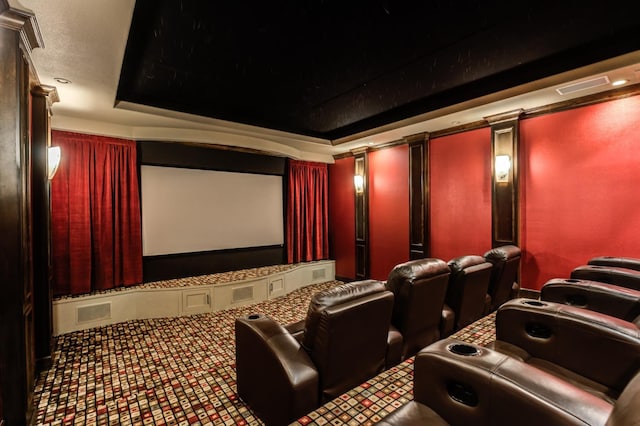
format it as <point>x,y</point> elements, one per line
<point>616,262</point>
<point>419,287</point>
<point>609,299</point>
<point>504,275</point>
<point>463,384</point>
<point>594,352</point>
<point>467,289</point>
<point>344,343</point>
<point>623,277</point>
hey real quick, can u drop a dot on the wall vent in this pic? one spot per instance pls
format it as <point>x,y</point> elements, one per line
<point>318,273</point>
<point>583,85</point>
<point>98,312</point>
<point>242,294</point>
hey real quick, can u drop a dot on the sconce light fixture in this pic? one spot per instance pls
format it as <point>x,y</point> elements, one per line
<point>358,182</point>
<point>53,160</point>
<point>502,167</point>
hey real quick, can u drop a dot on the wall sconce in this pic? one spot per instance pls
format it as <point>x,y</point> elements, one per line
<point>358,182</point>
<point>53,160</point>
<point>502,167</point>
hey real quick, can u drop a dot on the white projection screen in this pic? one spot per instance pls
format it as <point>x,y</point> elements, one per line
<point>189,210</point>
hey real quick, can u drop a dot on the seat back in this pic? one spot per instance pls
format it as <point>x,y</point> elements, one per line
<point>504,274</point>
<point>467,289</point>
<point>346,332</point>
<point>608,274</point>
<point>419,287</point>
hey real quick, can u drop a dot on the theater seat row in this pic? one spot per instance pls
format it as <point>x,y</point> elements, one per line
<point>354,331</point>
<point>551,363</point>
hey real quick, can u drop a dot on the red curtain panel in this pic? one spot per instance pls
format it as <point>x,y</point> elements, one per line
<point>96,240</point>
<point>307,212</point>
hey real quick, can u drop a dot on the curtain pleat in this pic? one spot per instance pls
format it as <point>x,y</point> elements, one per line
<point>307,212</point>
<point>95,215</point>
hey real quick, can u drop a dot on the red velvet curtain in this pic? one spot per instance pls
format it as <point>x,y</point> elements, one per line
<point>307,212</point>
<point>96,236</point>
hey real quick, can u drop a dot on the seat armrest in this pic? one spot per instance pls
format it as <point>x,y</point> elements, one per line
<point>447,322</point>
<point>394,348</point>
<point>618,262</point>
<point>609,299</point>
<point>608,274</point>
<point>275,375</point>
<point>296,329</point>
<point>599,347</point>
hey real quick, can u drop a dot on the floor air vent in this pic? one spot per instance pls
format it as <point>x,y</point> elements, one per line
<point>97,312</point>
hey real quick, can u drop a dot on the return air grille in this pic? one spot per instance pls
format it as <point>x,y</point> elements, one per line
<point>583,85</point>
<point>242,293</point>
<point>318,273</point>
<point>97,312</point>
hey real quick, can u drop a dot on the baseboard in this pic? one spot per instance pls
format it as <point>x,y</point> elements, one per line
<point>176,299</point>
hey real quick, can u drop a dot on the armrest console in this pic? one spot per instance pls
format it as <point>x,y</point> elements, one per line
<point>609,299</point>
<point>599,347</point>
<point>608,274</point>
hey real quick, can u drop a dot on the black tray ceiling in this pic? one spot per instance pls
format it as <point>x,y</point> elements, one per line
<point>333,68</point>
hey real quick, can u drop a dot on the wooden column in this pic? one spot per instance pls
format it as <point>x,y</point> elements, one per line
<point>41,99</point>
<point>19,34</point>
<point>504,193</point>
<point>362,215</point>
<point>418,195</point>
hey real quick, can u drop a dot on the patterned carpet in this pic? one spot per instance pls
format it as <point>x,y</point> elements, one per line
<point>181,371</point>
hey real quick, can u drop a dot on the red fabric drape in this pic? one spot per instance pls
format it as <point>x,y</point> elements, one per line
<point>96,236</point>
<point>307,212</point>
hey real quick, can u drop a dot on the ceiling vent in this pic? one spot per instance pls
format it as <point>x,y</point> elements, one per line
<point>583,85</point>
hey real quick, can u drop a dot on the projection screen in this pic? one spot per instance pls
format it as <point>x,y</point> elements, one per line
<point>189,210</point>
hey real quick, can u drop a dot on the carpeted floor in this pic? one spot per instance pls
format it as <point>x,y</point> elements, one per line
<point>181,371</point>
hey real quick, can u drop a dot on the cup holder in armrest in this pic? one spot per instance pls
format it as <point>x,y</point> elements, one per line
<point>539,331</point>
<point>463,349</point>
<point>254,316</point>
<point>462,394</point>
<point>572,280</point>
<point>533,303</point>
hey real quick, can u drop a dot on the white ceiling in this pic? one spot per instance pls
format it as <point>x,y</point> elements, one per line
<point>84,42</point>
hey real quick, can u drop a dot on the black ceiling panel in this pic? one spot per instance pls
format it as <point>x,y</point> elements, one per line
<point>331,68</point>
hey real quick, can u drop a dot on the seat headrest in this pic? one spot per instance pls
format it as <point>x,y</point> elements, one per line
<point>416,269</point>
<point>463,262</point>
<point>502,254</point>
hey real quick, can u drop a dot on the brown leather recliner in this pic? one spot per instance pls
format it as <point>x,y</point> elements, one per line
<point>595,352</point>
<point>467,289</point>
<point>609,299</point>
<point>463,384</point>
<point>623,277</point>
<point>617,262</point>
<point>344,343</point>
<point>504,276</point>
<point>419,287</point>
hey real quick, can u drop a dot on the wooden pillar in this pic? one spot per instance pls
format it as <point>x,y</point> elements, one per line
<point>361,172</point>
<point>418,195</point>
<point>19,34</point>
<point>41,99</point>
<point>505,178</point>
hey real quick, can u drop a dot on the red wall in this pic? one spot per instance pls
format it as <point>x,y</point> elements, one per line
<point>460,194</point>
<point>342,217</point>
<point>388,209</point>
<point>580,188</point>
